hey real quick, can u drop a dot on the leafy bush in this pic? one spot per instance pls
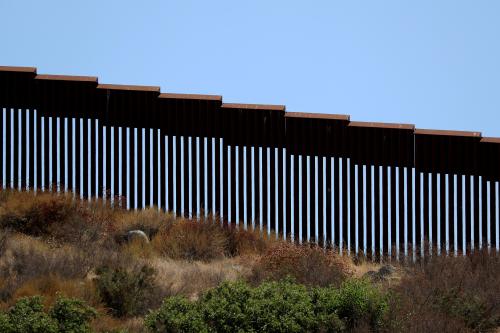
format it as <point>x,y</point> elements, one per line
<point>68,315</point>
<point>281,306</point>
<point>126,292</point>
<point>311,266</point>
<point>191,240</point>
<point>358,301</point>
<point>5,325</point>
<point>326,304</point>
<point>225,307</point>
<point>28,316</point>
<point>178,315</point>
<point>72,315</point>
<point>235,307</point>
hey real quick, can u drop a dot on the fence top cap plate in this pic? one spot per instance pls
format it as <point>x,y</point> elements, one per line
<point>191,96</point>
<point>254,106</point>
<point>18,69</point>
<point>66,78</point>
<point>325,116</point>
<point>128,87</point>
<point>410,127</point>
<point>448,133</point>
<point>490,140</point>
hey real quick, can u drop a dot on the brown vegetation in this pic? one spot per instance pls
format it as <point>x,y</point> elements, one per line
<point>308,265</point>
<point>449,294</point>
<point>53,244</point>
<point>191,240</point>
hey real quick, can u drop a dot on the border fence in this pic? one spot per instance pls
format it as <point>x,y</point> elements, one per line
<point>372,188</point>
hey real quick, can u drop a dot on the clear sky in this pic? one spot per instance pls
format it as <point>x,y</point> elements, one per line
<point>434,63</point>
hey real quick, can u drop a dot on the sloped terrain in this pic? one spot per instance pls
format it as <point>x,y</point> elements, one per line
<point>67,265</point>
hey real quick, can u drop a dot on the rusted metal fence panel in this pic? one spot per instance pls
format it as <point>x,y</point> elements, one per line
<point>383,190</point>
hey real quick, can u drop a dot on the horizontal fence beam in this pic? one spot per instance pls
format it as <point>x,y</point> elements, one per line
<point>253,124</point>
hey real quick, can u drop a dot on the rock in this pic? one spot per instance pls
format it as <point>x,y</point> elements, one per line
<point>134,235</point>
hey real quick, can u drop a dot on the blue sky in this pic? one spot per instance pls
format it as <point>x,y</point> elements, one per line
<point>432,63</point>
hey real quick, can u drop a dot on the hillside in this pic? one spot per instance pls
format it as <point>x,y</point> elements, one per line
<point>103,269</point>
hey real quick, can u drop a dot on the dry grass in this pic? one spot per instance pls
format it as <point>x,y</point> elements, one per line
<point>139,249</point>
<point>309,265</point>
<point>35,215</point>
<point>27,259</point>
<point>150,220</point>
<point>208,239</point>
<point>191,240</point>
<point>106,324</point>
<point>63,256</point>
<point>242,242</point>
<point>192,278</point>
<point>50,286</point>
<point>449,294</point>
<point>4,236</point>
<point>52,244</point>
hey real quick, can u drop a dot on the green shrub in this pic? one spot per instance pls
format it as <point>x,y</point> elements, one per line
<point>72,315</point>
<point>178,315</point>
<point>225,307</point>
<point>470,308</point>
<point>235,307</point>
<point>281,306</point>
<point>326,304</point>
<point>5,325</point>
<point>357,302</point>
<point>28,316</point>
<point>126,292</point>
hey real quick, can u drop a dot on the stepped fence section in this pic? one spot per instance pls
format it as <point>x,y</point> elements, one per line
<point>372,188</point>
